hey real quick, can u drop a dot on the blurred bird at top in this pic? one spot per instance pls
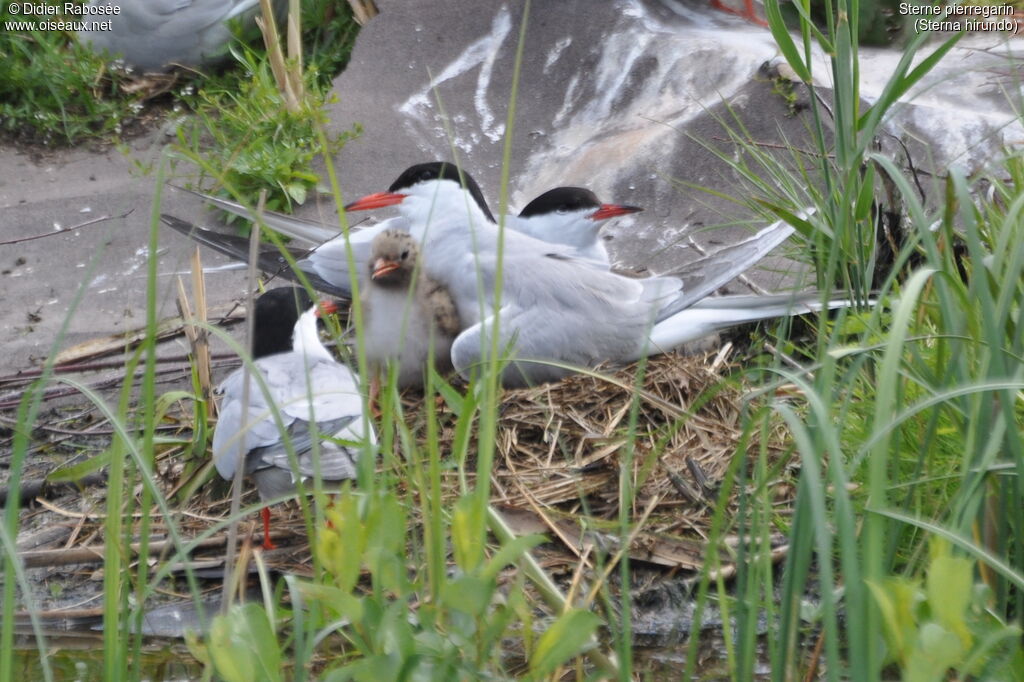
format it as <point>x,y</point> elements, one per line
<point>156,35</point>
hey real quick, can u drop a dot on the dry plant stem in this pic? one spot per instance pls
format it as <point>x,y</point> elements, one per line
<point>532,501</point>
<point>87,223</point>
<point>294,29</point>
<point>268,27</point>
<point>26,376</point>
<point>776,555</point>
<point>119,343</point>
<point>40,487</point>
<point>619,554</point>
<point>94,554</point>
<point>363,10</point>
<point>250,318</point>
<point>201,348</point>
<point>787,359</point>
<point>578,575</point>
<point>548,590</point>
<point>812,667</point>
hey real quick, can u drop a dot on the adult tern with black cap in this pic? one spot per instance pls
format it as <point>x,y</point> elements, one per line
<point>571,216</point>
<point>552,309</point>
<point>316,399</point>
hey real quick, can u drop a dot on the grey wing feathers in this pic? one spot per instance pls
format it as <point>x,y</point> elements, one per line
<point>706,275</point>
<point>297,228</point>
<point>334,401</point>
<point>270,259</point>
<point>336,462</point>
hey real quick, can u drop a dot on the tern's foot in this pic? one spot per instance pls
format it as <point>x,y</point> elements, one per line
<point>268,544</point>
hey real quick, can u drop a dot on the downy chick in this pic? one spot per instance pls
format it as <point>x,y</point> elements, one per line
<point>406,311</point>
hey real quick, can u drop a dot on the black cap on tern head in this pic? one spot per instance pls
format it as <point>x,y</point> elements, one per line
<point>441,170</point>
<point>561,200</point>
<point>276,313</point>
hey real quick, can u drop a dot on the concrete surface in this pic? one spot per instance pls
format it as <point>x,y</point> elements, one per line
<point>620,96</point>
<point>38,278</point>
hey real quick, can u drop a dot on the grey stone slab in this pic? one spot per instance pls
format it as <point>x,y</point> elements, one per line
<point>39,277</point>
<point>621,96</point>
<point>605,89</point>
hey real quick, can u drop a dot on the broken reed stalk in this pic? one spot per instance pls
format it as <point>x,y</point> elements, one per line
<point>201,347</point>
<point>197,337</point>
<point>120,343</point>
<point>363,10</point>
<point>268,27</point>
<point>294,37</point>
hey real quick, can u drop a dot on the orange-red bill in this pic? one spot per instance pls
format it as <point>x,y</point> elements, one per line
<point>378,200</point>
<point>606,211</point>
<point>382,267</point>
<point>326,308</point>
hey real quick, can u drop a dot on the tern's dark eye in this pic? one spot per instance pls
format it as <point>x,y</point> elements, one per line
<point>426,175</point>
<point>405,254</point>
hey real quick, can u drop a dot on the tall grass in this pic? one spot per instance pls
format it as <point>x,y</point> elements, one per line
<point>911,432</point>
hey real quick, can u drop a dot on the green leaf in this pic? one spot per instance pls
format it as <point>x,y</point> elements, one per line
<point>468,594</point>
<point>801,225</point>
<point>808,23</point>
<point>949,586</point>
<point>337,600</point>
<point>938,651</point>
<point>167,400</point>
<point>510,553</point>
<point>296,191</point>
<point>567,637</point>
<point>468,533</point>
<point>341,546</point>
<point>76,472</point>
<point>455,401</point>
<point>243,646</point>
<point>897,601</point>
<point>780,33</point>
<point>867,194</point>
<point>386,525</point>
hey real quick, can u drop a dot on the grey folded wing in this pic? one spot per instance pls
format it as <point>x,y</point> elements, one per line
<point>336,461</point>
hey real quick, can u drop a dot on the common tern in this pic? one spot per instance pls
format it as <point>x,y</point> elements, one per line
<point>552,309</point>
<point>316,398</point>
<point>571,216</point>
<point>407,314</point>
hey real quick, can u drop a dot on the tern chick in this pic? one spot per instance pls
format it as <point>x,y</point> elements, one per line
<point>407,313</point>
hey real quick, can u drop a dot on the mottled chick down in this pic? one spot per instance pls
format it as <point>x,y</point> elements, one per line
<point>406,312</point>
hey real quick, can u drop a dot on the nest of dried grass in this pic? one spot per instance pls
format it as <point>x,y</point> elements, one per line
<point>563,452</point>
<point>562,447</point>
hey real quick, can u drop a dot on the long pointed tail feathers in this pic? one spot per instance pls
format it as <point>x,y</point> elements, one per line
<point>704,276</point>
<point>715,314</point>
<point>308,231</point>
<point>269,259</point>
